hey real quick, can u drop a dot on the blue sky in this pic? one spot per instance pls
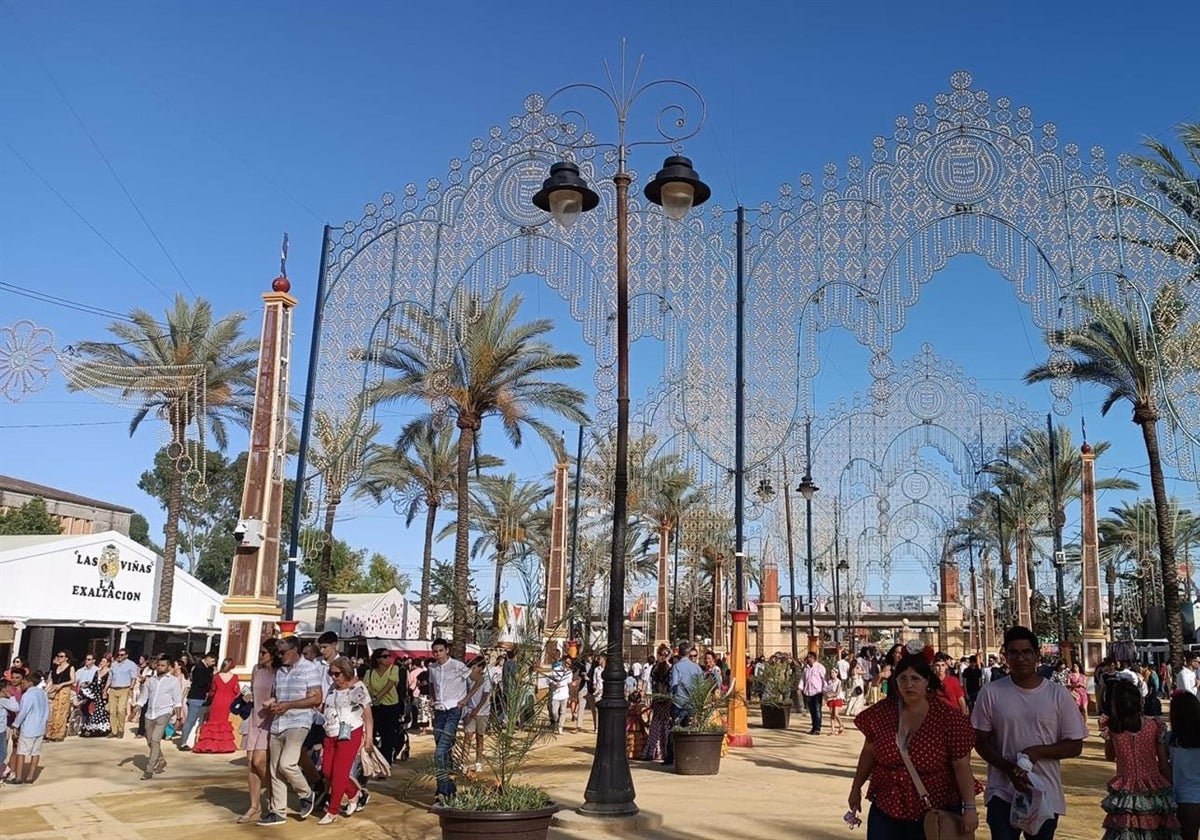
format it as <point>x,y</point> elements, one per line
<point>231,123</point>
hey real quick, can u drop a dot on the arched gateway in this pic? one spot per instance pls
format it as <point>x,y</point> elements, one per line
<point>849,248</point>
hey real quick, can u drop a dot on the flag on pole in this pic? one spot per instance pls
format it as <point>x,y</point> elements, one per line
<point>639,607</point>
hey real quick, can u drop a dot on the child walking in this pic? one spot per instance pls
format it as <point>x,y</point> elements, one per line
<point>833,698</point>
<point>1183,745</point>
<point>1139,805</point>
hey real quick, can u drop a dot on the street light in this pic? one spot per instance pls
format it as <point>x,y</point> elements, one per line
<point>565,194</point>
<point>808,489</point>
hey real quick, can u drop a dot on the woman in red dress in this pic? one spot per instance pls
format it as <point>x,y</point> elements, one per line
<point>216,735</point>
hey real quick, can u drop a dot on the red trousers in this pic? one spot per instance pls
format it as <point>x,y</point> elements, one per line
<point>336,760</point>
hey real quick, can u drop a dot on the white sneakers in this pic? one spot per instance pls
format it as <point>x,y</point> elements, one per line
<point>328,819</point>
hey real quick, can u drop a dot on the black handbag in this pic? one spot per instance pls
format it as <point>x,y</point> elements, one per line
<point>241,707</point>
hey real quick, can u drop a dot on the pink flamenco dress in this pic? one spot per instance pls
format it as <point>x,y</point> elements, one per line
<point>216,735</point>
<point>1140,804</point>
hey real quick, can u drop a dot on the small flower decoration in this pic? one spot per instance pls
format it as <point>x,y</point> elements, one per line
<point>26,359</point>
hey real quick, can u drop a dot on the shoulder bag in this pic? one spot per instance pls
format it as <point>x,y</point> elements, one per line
<point>939,824</point>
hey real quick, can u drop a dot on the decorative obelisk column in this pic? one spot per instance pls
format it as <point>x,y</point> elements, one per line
<point>989,612</point>
<point>1094,640</point>
<point>719,637</point>
<point>950,609</point>
<point>253,602</point>
<point>770,613</point>
<point>556,571</point>
<point>662,608</point>
<point>1024,612</point>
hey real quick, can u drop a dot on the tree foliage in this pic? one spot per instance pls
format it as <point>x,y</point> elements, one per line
<point>30,518</point>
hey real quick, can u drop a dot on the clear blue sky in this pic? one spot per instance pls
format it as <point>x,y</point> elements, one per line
<point>231,123</point>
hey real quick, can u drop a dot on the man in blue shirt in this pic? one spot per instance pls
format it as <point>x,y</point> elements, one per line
<point>31,728</point>
<point>683,673</point>
<point>121,677</point>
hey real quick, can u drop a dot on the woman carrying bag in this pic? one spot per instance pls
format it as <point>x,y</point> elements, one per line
<point>917,755</point>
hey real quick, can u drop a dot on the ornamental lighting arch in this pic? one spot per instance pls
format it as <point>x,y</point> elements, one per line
<point>848,248</point>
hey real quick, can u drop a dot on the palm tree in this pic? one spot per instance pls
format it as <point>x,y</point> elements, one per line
<point>420,470</point>
<point>1110,351</point>
<point>1171,178</point>
<point>501,509</point>
<point>337,457</point>
<point>487,366</point>
<point>192,369</point>
<point>671,493</point>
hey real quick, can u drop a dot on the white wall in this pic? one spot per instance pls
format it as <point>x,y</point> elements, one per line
<point>62,580</point>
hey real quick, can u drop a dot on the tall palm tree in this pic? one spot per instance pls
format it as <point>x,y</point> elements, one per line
<point>671,493</point>
<point>340,444</point>
<point>501,510</point>
<point>477,368</point>
<point>1110,352</point>
<point>156,365</point>
<point>419,471</point>
<point>1172,179</point>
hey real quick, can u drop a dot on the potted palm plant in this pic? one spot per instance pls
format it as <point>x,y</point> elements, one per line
<point>777,686</point>
<point>698,743</point>
<point>494,803</point>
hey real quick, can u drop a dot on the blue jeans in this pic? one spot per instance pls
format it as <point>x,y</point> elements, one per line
<point>998,814</point>
<point>814,702</point>
<point>195,707</point>
<point>881,826</point>
<point>445,728</point>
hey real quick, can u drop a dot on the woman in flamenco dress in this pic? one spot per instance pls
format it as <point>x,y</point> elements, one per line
<point>216,735</point>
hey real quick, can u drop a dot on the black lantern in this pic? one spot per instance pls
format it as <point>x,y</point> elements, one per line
<point>677,188</point>
<point>565,194</point>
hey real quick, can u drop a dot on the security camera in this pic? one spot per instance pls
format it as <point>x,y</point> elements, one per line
<point>249,533</point>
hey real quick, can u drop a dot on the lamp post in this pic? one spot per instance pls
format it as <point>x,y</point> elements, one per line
<point>808,489</point>
<point>791,555</point>
<point>565,195</point>
<point>1056,525</point>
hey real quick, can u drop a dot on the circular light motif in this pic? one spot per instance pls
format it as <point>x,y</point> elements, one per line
<point>915,486</point>
<point>964,170</point>
<point>927,400</point>
<point>515,188</point>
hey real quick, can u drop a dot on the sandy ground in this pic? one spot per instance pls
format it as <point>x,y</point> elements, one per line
<point>788,784</point>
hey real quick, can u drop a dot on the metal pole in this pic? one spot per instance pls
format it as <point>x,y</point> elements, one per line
<point>837,560</point>
<point>609,789</point>
<point>1056,525</point>
<point>791,552</point>
<point>575,525</point>
<point>812,619</point>
<point>739,433</point>
<point>314,348</point>
<point>675,579</point>
<point>975,629</point>
<point>1005,583</point>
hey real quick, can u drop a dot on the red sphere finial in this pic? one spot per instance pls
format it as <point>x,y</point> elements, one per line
<point>281,284</point>
<point>1086,449</point>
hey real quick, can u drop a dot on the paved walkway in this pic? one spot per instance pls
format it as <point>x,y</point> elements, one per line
<point>788,780</point>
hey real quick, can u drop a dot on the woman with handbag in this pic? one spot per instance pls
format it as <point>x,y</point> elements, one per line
<point>257,735</point>
<point>917,755</point>
<point>348,726</point>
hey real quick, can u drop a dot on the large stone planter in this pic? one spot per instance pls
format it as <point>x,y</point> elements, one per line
<point>512,825</point>
<point>698,753</point>
<point>776,717</point>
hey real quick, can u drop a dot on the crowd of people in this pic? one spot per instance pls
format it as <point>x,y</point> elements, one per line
<point>319,725</point>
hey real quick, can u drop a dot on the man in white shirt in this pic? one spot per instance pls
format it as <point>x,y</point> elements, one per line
<point>298,691</point>
<point>1130,674</point>
<point>478,710</point>
<point>1024,714</point>
<point>162,703</point>
<point>449,682</point>
<point>86,672</point>
<point>561,675</point>
<point>1186,680</point>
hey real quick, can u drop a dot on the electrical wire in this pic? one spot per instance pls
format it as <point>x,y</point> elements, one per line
<point>65,425</point>
<point>81,217</point>
<point>96,145</point>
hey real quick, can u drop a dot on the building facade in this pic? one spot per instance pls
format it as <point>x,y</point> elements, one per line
<point>77,514</point>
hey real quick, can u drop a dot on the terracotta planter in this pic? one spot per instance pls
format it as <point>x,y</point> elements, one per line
<point>698,753</point>
<point>510,825</point>
<point>776,717</point>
